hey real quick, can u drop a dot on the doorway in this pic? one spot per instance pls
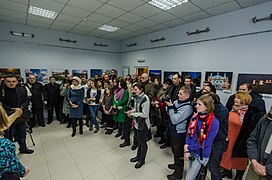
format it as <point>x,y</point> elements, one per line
<point>141,70</point>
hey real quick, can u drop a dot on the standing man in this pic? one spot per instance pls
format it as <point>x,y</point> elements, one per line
<point>180,112</point>
<point>14,98</point>
<point>171,94</point>
<point>38,98</point>
<point>53,101</point>
<point>188,81</point>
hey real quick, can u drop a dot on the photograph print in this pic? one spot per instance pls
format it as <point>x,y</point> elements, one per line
<point>261,83</point>
<point>79,73</point>
<point>96,71</point>
<point>221,80</point>
<point>60,74</point>
<point>168,74</point>
<point>40,74</point>
<point>153,74</point>
<point>8,71</point>
<point>195,75</point>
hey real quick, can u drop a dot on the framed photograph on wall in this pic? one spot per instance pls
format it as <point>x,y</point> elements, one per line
<point>195,75</point>
<point>125,71</point>
<point>93,72</point>
<point>221,80</point>
<point>40,74</point>
<point>168,74</point>
<point>7,71</point>
<point>60,74</point>
<point>79,73</point>
<point>261,83</point>
<point>155,74</point>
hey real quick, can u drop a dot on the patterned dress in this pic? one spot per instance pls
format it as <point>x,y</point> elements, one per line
<point>9,163</point>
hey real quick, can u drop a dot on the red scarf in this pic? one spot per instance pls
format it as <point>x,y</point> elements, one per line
<point>205,128</point>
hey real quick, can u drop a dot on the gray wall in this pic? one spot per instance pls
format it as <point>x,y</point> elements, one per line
<point>241,54</point>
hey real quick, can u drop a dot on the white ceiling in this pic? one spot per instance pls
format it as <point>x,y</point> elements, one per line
<point>133,17</point>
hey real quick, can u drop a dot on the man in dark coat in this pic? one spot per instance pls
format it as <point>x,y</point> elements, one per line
<point>53,99</point>
<point>38,99</point>
<point>13,98</point>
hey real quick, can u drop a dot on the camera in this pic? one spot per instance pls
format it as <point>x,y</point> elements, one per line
<point>166,98</point>
<point>139,119</point>
<point>191,158</point>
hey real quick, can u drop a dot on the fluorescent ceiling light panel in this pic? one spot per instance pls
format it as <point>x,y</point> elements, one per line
<point>166,4</point>
<point>42,12</point>
<point>108,28</point>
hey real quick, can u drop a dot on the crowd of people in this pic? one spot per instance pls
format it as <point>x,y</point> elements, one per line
<point>196,125</point>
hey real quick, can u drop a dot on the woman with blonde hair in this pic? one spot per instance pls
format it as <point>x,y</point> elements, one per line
<point>236,117</point>
<point>10,167</point>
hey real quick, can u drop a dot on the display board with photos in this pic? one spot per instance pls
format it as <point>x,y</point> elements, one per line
<point>40,74</point>
<point>196,76</point>
<point>169,74</point>
<point>261,83</point>
<point>221,80</point>
<point>153,74</point>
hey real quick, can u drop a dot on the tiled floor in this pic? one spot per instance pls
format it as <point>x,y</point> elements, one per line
<point>90,156</point>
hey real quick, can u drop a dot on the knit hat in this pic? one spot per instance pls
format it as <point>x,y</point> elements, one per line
<point>77,79</point>
<point>5,120</point>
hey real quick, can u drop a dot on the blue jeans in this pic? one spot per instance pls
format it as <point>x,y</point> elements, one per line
<point>195,166</point>
<point>218,148</point>
<point>93,111</point>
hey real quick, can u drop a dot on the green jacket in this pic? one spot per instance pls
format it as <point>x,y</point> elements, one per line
<point>121,115</point>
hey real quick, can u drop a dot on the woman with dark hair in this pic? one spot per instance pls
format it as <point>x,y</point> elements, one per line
<point>141,123</point>
<point>201,132</point>
<point>120,100</point>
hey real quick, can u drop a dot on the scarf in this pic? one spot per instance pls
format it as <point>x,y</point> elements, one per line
<point>242,111</point>
<point>76,87</point>
<point>205,128</point>
<point>119,94</point>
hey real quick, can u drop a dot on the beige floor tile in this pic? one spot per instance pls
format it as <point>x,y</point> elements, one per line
<point>82,155</point>
<point>136,175</point>
<point>121,168</point>
<point>153,171</point>
<point>100,148</point>
<point>60,164</point>
<point>73,147</point>
<point>38,173</point>
<point>103,174</point>
<point>71,173</point>
<point>90,166</point>
<point>110,157</point>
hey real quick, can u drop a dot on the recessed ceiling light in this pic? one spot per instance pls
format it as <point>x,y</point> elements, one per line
<point>42,12</point>
<point>166,4</point>
<point>108,28</point>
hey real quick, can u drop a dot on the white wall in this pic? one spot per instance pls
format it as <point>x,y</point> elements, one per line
<point>243,54</point>
<point>47,52</point>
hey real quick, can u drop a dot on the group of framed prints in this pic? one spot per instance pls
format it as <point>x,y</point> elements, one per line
<point>261,83</point>
<point>42,75</point>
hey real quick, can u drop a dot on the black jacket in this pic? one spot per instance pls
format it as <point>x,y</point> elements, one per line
<point>222,114</point>
<point>53,93</point>
<point>22,101</point>
<point>38,94</point>
<point>173,95</point>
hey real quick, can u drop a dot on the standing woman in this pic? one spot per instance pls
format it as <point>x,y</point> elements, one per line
<point>201,132</point>
<point>120,100</point>
<point>75,96</point>
<point>236,116</point>
<point>93,97</point>
<point>141,122</point>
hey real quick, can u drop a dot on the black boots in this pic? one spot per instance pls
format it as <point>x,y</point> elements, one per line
<point>74,131</point>
<point>80,127</point>
<point>124,144</point>
<point>227,173</point>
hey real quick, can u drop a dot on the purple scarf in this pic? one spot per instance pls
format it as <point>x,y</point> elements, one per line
<point>119,94</point>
